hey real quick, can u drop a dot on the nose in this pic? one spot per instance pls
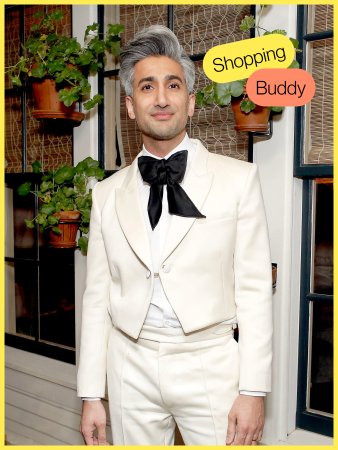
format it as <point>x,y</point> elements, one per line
<point>161,97</point>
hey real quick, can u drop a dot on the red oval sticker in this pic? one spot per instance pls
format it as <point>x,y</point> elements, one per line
<point>280,87</point>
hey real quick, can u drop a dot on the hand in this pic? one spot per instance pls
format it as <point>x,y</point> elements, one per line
<point>245,421</point>
<point>93,418</point>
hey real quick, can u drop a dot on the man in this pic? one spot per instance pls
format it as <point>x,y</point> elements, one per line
<point>178,255</point>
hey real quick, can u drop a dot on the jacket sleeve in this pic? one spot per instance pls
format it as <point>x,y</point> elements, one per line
<point>253,288</point>
<point>96,321</point>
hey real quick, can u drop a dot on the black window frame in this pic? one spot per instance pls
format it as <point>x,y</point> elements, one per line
<point>13,180</point>
<point>305,419</point>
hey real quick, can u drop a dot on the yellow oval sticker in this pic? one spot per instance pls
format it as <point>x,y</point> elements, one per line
<point>238,60</point>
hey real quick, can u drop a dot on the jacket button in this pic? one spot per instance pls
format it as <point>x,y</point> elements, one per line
<point>166,268</point>
<point>148,274</point>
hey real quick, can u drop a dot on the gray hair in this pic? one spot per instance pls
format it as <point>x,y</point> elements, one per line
<point>157,40</point>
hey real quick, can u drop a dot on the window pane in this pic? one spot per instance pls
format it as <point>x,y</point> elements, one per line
<point>320,18</point>
<point>57,297</point>
<point>322,271</point>
<point>214,126</point>
<point>21,292</point>
<point>318,148</point>
<point>320,395</point>
<point>200,27</point>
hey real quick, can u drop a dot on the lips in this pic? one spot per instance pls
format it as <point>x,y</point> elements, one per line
<point>162,115</point>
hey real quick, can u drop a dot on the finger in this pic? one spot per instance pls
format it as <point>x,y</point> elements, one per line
<point>254,443</point>
<point>248,439</point>
<point>88,438</point>
<point>240,438</point>
<point>101,435</point>
<point>231,431</point>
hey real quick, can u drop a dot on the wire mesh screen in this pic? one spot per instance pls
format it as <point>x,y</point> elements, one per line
<point>320,18</point>
<point>214,126</point>
<point>52,144</point>
<point>198,28</point>
<point>318,148</point>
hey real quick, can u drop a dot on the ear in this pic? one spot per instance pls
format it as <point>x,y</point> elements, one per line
<point>191,105</point>
<point>130,107</point>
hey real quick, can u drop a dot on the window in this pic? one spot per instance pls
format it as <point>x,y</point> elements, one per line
<point>40,312</point>
<point>198,28</point>
<point>313,162</point>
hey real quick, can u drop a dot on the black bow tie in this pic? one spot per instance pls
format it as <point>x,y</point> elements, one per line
<point>158,172</point>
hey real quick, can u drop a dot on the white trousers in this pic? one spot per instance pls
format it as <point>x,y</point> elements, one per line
<point>166,377</point>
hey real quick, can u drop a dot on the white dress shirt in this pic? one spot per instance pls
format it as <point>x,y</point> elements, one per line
<point>160,313</point>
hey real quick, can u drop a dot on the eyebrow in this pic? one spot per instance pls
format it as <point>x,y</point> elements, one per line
<point>167,78</point>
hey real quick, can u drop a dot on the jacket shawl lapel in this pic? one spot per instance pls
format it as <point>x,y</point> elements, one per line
<point>131,217</point>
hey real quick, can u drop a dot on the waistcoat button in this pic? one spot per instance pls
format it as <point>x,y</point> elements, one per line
<point>166,268</point>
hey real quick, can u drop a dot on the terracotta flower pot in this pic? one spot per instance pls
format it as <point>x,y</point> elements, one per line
<point>68,224</point>
<point>256,120</point>
<point>47,104</point>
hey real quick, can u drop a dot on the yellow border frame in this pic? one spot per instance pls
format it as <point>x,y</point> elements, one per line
<point>2,144</point>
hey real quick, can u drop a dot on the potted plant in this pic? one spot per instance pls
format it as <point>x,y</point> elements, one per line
<point>61,65</point>
<point>65,202</point>
<point>248,115</point>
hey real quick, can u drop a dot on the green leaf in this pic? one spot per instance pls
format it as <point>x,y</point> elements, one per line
<point>222,94</point>
<point>69,192</point>
<point>25,188</point>
<point>16,81</point>
<point>41,219</point>
<point>237,88</point>
<point>97,46</point>
<point>36,167</point>
<point>96,100</point>
<point>199,98</point>
<point>294,65</point>
<point>29,223</point>
<point>69,96</point>
<point>209,94</point>
<point>277,109</point>
<point>114,47</point>
<point>247,23</point>
<point>295,42</point>
<point>278,31</point>
<point>247,105</point>
<point>53,220</point>
<point>95,172</point>
<point>56,15</point>
<point>38,71</point>
<point>56,230</point>
<point>116,28</point>
<point>64,173</point>
<point>83,244</point>
<point>91,28</point>
<point>47,209</point>
<point>45,186</point>
<point>85,213</point>
<point>85,58</point>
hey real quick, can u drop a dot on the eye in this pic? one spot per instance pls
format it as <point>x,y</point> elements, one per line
<point>146,87</point>
<point>174,85</point>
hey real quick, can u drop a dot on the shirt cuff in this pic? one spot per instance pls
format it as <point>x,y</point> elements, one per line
<point>91,399</point>
<point>253,393</point>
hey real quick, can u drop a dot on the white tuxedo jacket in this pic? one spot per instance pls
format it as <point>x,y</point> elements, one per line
<point>212,269</point>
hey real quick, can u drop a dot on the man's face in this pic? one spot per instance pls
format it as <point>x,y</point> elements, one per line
<point>160,102</point>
